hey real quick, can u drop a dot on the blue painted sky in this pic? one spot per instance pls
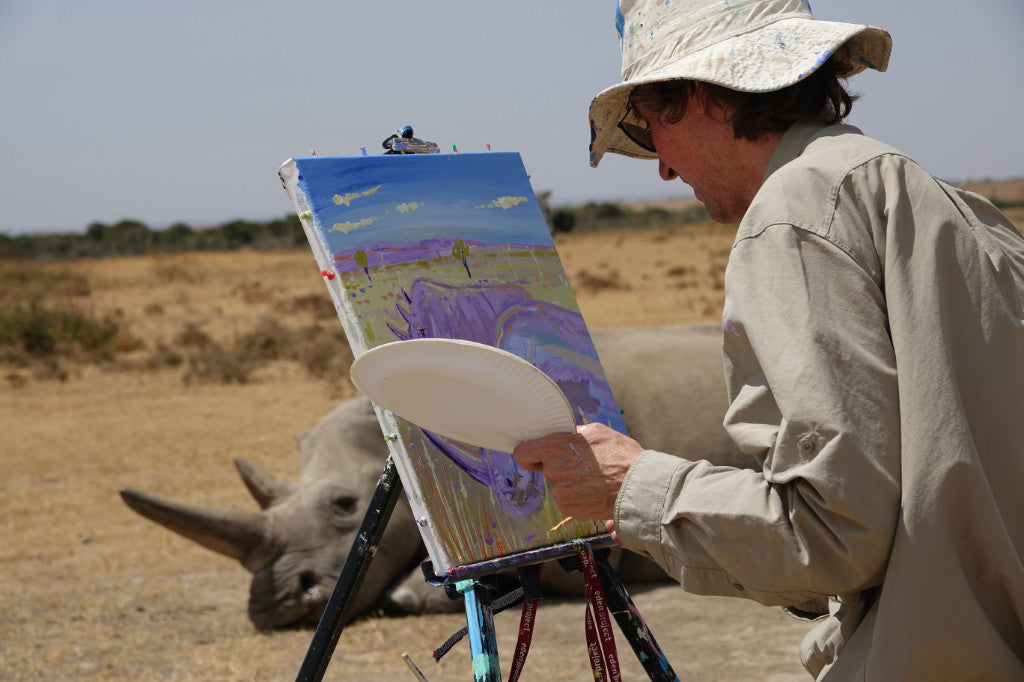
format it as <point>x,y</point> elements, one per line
<point>182,111</point>
<point>399,199</point>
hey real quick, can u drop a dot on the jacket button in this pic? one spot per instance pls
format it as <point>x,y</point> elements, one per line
<point>807,445</point>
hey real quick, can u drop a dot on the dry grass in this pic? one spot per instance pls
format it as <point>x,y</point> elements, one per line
<point>631,278</point>
<point>182,312</point>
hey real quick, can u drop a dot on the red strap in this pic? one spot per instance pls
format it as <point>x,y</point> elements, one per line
<point>604,660</point>
<point>600,638</point>
<point>525,637</point>
<point>594,651</point>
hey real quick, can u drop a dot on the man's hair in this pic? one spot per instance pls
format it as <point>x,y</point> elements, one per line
<point>818,97</point>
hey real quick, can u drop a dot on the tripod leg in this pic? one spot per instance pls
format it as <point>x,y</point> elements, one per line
<point>325,639</point>
<point>483,644</point>
<point>632,624</point>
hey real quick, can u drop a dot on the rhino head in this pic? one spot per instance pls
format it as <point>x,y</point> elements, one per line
<point>296,545</point>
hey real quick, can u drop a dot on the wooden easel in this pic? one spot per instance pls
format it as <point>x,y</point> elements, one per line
<point>479,611</point>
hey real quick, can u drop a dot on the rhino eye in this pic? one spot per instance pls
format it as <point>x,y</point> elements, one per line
<point>345,504</point>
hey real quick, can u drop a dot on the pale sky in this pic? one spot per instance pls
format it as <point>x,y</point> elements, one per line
<point>182,111</point>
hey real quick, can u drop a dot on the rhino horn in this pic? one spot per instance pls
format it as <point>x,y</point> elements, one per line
<point>264,486</point>
<point>230,532</point>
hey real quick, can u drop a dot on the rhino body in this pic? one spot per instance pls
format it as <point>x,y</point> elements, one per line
<point>668,381</point>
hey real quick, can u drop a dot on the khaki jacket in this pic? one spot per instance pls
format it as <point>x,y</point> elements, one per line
<point>874,344</point>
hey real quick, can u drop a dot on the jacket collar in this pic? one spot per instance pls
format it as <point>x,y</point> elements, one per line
<point>795,140</point>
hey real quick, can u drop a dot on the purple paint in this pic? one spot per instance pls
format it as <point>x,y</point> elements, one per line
<point>506,316</point>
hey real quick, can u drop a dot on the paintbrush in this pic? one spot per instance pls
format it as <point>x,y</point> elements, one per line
<point>561,523</point>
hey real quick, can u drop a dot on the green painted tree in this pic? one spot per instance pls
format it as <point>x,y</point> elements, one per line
<point>461,251</point>
<point>363,262</point>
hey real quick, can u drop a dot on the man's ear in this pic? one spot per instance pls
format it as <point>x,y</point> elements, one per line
<point>708,105</point>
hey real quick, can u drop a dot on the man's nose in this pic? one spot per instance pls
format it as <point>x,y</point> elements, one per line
<point>666,171</point>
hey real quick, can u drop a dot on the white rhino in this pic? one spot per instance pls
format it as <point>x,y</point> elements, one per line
<point>668,381</point>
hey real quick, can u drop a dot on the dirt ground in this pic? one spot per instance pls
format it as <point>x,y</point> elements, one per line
<point>91,591</point>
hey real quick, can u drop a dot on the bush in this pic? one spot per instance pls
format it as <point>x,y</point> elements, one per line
<point>192,336</point>
<point>322,351</point>
<point>212,363</point>
<point>319,305</point>
<point>25,282</point>
<point>562,220</point>
<point>269,340</point>
<point>39,330</point>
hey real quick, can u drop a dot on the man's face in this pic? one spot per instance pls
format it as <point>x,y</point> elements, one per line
<point>698,149</point>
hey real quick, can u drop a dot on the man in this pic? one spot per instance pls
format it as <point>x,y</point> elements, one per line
<point>873,335</point>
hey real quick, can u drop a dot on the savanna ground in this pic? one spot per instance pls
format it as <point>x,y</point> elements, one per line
<point>240,353</point>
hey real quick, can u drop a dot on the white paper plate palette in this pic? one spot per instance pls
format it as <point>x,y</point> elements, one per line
<point>471,392</point>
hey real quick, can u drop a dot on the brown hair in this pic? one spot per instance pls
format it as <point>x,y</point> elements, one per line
<point>818,97</point>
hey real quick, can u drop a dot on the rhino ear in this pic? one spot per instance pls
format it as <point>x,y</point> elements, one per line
<point>302,442</point>
<point>262,484</point>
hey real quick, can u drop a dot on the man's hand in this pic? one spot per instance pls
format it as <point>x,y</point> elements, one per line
<point>585,470</point>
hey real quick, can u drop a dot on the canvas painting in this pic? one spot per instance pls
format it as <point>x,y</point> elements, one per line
<point>454,246</point>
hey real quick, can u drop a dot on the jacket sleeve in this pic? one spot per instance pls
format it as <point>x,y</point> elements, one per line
<point>812,384</point>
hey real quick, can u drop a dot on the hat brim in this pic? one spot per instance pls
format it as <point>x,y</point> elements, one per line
<point>767,59</point>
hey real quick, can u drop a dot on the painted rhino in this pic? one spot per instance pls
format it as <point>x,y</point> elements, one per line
<point>668,381</point>
<point>505,315</point>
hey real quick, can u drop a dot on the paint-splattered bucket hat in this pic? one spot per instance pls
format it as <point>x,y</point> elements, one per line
<point>747,45</point>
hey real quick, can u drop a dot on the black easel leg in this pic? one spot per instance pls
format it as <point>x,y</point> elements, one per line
<point>325,639</point>
<point>632,624</point>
